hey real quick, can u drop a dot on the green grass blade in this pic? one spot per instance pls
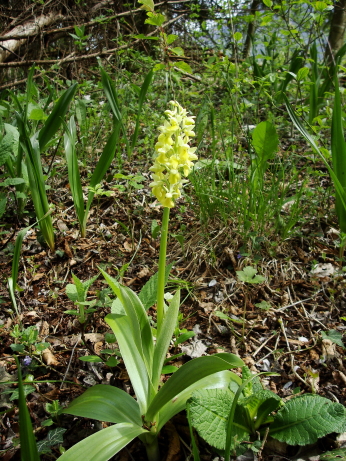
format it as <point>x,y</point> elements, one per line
<point>111,95</point>
<point>28,447</point>
<point>53,122</point>
<point>37,183</point>
<point>314,84</point>
<point>70,138</point>
<point>141,99</point>
<point>101,168</point>
<point>339,189</point>
<point>338,147</point>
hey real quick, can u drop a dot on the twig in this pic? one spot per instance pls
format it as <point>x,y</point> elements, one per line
<point>290,352</point>
<point>69,363</point>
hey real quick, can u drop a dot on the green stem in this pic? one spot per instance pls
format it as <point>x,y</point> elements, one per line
<point>162,269</point>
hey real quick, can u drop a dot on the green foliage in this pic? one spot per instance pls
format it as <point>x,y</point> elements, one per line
<point>77,292</point>
<point>28,448</point>
<point>299,421</point>
<point>334,336</point>
<point>248,275</point>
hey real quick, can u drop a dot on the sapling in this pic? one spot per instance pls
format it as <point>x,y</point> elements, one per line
<point>142,348</point>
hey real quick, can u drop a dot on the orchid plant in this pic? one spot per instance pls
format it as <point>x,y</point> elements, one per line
<point>142,348</point>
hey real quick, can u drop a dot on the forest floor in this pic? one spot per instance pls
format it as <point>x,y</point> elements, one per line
<point>289,324</point>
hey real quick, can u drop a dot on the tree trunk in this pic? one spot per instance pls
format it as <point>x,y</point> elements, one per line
<point>250,29</point>
<point>337,31</point>
<point>28,29</point>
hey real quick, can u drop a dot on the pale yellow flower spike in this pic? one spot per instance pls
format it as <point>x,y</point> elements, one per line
<point>173,156</point>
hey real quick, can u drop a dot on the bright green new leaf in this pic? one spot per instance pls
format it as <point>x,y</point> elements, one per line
<point>248,275</point>
<point>265,141</point>
<point>147,5</point>
<point>155,19</point>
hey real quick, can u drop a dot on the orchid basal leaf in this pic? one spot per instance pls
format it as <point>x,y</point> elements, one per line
<point>189,374</point>
<point>106,403</point>
<point>104,444</point>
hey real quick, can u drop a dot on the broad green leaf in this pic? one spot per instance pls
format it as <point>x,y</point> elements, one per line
<point>148,294</point>
<point>189,374</point>
<point>55,118</point>
<point>104,444</point>
<point>303,420</point>
<point>147,5</point>
<point>137,315</point>
<point>106,403</point>
<point>209,411</point>
<point>9,143</point>
<point>238,36</point>
<point>171,38</point>
<point>37,114</point>
<point>12,182</point>
<point>155,19</point>
<point>168,369</point>
<point>302,73</point>
<point>265,141</point>
<point>184,66</point>
<point>91,358</point>
<point>220,380</point>
<point>178,51</point>
<point>133,358</point>
<point>28,448</point>
<point>334,336</point>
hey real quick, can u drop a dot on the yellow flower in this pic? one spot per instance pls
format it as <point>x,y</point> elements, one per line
<point>173,155</point>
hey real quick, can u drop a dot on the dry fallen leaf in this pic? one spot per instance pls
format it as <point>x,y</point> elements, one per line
<point>49,358</point>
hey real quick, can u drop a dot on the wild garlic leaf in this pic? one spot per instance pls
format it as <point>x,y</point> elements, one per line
<point>305,419</point>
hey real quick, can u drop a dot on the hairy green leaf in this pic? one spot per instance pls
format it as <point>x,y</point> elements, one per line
<point>305,419</point>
